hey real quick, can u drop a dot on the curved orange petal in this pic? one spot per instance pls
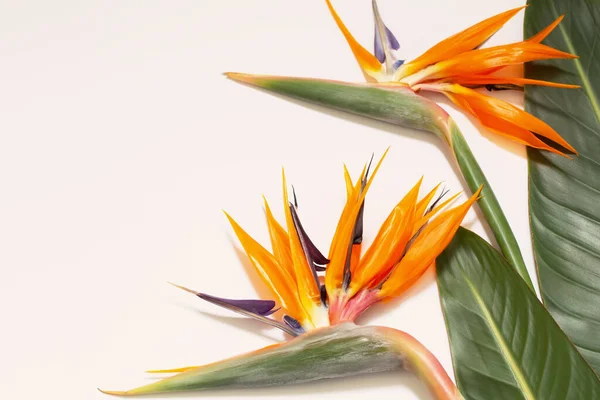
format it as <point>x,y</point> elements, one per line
<point>343,235</point>
<point>368,63</point>
<point>463,41</point>
<point>278,279</point>
<point>352,194</point>
<point>424,250</point>
<point>425,218</point>
<point>425,201</point>
<point>389,244</point>
<point>505,118</point>
<point>280,241</point>
<point>541,35</point>
<point>308,291</point>
<point>498,80</point>
<point>481,61</point>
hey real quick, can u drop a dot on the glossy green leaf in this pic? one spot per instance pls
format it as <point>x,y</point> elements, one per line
<point>564,195</point>
<point>505,345</point>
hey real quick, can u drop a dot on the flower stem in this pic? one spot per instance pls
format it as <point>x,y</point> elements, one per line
<point>488,203</point>
<point>423,363</point>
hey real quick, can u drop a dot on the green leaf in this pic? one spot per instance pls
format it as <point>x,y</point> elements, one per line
<point>504,343</point>
<point>564,195</point>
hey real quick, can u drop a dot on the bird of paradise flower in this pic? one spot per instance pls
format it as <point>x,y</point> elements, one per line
<point>322,309</point>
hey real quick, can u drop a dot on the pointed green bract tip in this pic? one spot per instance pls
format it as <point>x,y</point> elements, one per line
<point>113,392</point>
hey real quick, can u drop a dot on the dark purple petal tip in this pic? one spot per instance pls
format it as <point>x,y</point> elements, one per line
<point>258,307</point>
<point>293,323</point>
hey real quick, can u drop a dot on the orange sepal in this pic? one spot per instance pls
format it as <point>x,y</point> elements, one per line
<point>505,118</point>
<point>425,218</point>
<point>425,201</point>
<point>281,283</point>
<point>349,185</point>
<point>541,35</point>
<point>280,241</point>
<point>389,244</point>
<point>481,80</point>
<point>432,240</point>
<point>343,235</point>
<point>368,63</point>
<point>482,61</point>
<point>308,292</point>
<point>456,44</point>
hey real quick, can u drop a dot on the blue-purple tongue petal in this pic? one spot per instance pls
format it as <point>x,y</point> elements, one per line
<point>389,42</point>
<point>256,309</point>
<point>315,254</point>
<point>397,64</point>
<point>305,243</point>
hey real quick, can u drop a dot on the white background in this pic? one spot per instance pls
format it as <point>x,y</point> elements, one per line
<point>121,142</point>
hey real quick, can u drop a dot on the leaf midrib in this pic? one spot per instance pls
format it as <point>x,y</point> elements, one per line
<point>585,82</point>
<point>517,372</point>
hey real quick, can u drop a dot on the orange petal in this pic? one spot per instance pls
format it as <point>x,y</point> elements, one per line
<point>343,236</point>
<point>369,64</point>
<point>280,241</point>
<point>481,80</point>
<point>352,194</point>
<point>348,180</point>
<point>424,250</point>
<point>505,118</point>
<point>279,280</point>
<point>308,290</point>
<point>482,61</point>
<point>389,244</point>
<point>425,218</point>
<point>463,41</point>
<point>541,35</point>
<point>425,201</point>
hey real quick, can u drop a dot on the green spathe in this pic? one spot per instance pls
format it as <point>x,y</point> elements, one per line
<point>326,353</point>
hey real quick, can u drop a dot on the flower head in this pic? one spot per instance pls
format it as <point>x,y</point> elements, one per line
<point>413,235</point>
<point>456,66</point>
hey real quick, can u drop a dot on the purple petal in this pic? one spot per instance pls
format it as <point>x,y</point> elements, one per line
<point>315,254</point>
<point>390,40</point>
<point>379,53</point>
<point>397,64</point>
<point>393,42</point>
<point>258,307</point>
<point>294,324</point>
<point>305,243</point>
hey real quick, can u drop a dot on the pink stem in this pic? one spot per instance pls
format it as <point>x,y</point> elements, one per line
<point>423,363</point>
